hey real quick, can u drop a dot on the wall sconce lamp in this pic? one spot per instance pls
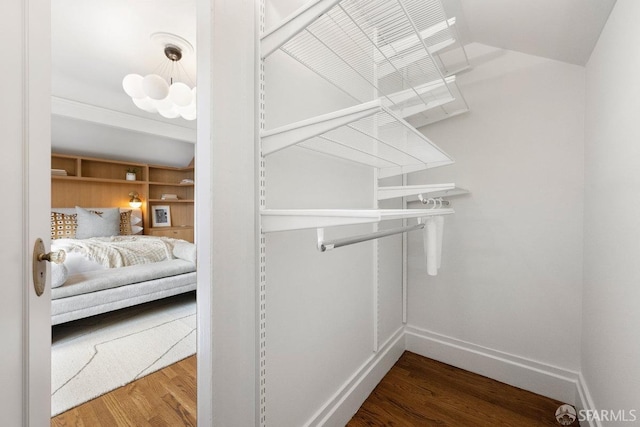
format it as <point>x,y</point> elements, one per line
<point>134,200</point>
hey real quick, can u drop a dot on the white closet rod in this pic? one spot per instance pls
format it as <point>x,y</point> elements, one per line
<point>332,244</point>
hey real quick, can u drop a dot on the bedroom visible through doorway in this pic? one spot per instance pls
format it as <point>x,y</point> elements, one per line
<point>123,201</point>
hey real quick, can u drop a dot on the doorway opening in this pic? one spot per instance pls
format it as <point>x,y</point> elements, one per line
<point>117,321</point>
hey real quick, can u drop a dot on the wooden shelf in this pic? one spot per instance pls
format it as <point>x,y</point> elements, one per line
<point>369,134</point>
<point>179,232</point>
<point>165,179</point>
<point>177,227</point>
<point>298,219</point>
<point>100,182</point>
<point>171,201</point>
<point>106,180</point>
<point>171,184</point>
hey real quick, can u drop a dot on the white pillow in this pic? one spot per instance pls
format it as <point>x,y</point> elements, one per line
<point>91,224</point>
<point>185,251</point>
<point>59,274</point>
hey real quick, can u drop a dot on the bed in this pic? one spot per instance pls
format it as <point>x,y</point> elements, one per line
<point>111,265</point>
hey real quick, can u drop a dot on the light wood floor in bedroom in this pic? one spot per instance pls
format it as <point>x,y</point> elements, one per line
<point>416,392</point>
<point>164,398</point>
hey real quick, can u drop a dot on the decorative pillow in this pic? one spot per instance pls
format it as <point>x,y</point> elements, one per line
<point>135,220</point>
<point>63,226</point>
<point>125,223</point>
<point>92,224</point>
<point>185,251</point>
<point>136,229</point>
<point>59,274</point>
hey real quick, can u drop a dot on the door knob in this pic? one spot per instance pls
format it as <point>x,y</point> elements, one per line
<point>57,257</point>
<point>40,257</point>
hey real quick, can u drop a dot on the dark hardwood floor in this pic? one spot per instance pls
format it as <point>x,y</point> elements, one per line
<point>416,392</point>
<point>422,392</point>
<point>165,398</point>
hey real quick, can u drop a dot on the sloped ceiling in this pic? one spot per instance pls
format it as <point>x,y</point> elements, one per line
<point>564,30</point>
<point>96,43</point>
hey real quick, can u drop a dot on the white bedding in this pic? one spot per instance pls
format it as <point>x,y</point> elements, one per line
<point>98,253</point>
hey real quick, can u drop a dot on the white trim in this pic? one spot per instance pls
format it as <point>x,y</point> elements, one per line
<point>584,401</point>
<point>117,119</point>
<point>562,384</point>
<point>35,49</point>
<point>541,378</point>
<point>346,401</point>
<point>203,213</point>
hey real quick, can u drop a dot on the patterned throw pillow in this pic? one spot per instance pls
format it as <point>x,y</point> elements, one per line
<point>63,226</point>
<point>125,223</point>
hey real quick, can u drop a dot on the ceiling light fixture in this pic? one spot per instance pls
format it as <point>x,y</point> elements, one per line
<point>156,94</point>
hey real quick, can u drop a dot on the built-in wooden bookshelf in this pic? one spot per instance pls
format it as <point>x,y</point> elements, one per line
<point>96,182</point>
<point>165,180</point>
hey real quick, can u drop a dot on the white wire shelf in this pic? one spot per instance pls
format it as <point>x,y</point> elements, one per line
<point>456,191</point>
<point>454,108</point>
<point>371,48</point>
<point>452,192</point>
<point>369,134</point>
<point>299,219</point>
<point>409,106</point>
<point>393,192</point>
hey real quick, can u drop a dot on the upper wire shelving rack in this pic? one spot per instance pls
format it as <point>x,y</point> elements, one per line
<point>374,49</point>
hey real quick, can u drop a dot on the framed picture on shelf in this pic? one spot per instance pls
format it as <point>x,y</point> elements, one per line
<point>161,216</point>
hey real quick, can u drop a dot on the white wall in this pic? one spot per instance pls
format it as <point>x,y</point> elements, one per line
<point>611,342</point>
<point>511,274</point>
<point>70,136</point>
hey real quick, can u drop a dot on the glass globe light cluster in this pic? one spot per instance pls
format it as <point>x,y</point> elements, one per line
<point>153,94</point>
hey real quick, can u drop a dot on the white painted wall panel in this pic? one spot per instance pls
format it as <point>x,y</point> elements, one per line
<point>511,269</point>
<point>319,305</point>
<point>611,343</point>
<point>88,139</point>
<point>12,310</point>
<point>390,270</point>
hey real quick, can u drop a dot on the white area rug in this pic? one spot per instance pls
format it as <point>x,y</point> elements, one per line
<point>93,356</point>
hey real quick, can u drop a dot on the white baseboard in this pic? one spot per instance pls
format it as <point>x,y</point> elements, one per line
<point>558,383</point>
<point>585,402</point>
<point>338,410</point>
<point>547,380</point>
